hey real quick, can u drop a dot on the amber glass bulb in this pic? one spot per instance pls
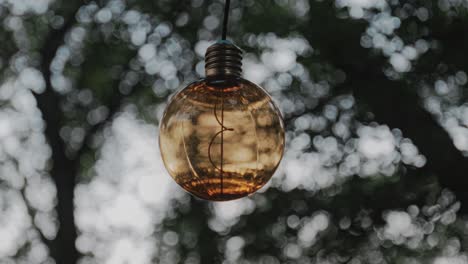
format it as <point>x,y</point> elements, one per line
<point>221,138</point>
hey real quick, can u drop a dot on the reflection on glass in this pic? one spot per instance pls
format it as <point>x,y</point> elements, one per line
<point>221,140</point>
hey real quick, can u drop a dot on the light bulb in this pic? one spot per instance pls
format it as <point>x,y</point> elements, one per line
<point>221,137</point>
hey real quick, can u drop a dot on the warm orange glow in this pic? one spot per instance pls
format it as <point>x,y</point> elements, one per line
<point>221,140</point>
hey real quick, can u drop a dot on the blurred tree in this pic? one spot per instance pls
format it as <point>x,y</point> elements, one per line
<point>373,94</point>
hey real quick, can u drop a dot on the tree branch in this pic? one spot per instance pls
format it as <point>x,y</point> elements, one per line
<point>395,103</point>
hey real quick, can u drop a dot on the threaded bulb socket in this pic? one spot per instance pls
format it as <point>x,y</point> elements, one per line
<point>223,59</point>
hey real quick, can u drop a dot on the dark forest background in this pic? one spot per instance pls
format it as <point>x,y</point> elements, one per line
<point>373,94</point>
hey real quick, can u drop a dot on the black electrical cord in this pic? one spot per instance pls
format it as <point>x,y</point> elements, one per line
<point>226,17</point>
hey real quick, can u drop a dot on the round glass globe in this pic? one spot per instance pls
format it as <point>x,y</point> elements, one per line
<point>221,139</point>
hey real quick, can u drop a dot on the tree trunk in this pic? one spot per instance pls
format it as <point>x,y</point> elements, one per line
<point>63,170</point>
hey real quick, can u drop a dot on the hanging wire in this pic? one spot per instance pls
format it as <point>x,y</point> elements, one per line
<point>226,17</point>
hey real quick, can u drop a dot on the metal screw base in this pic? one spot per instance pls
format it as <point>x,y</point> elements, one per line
<point>223,59</point>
